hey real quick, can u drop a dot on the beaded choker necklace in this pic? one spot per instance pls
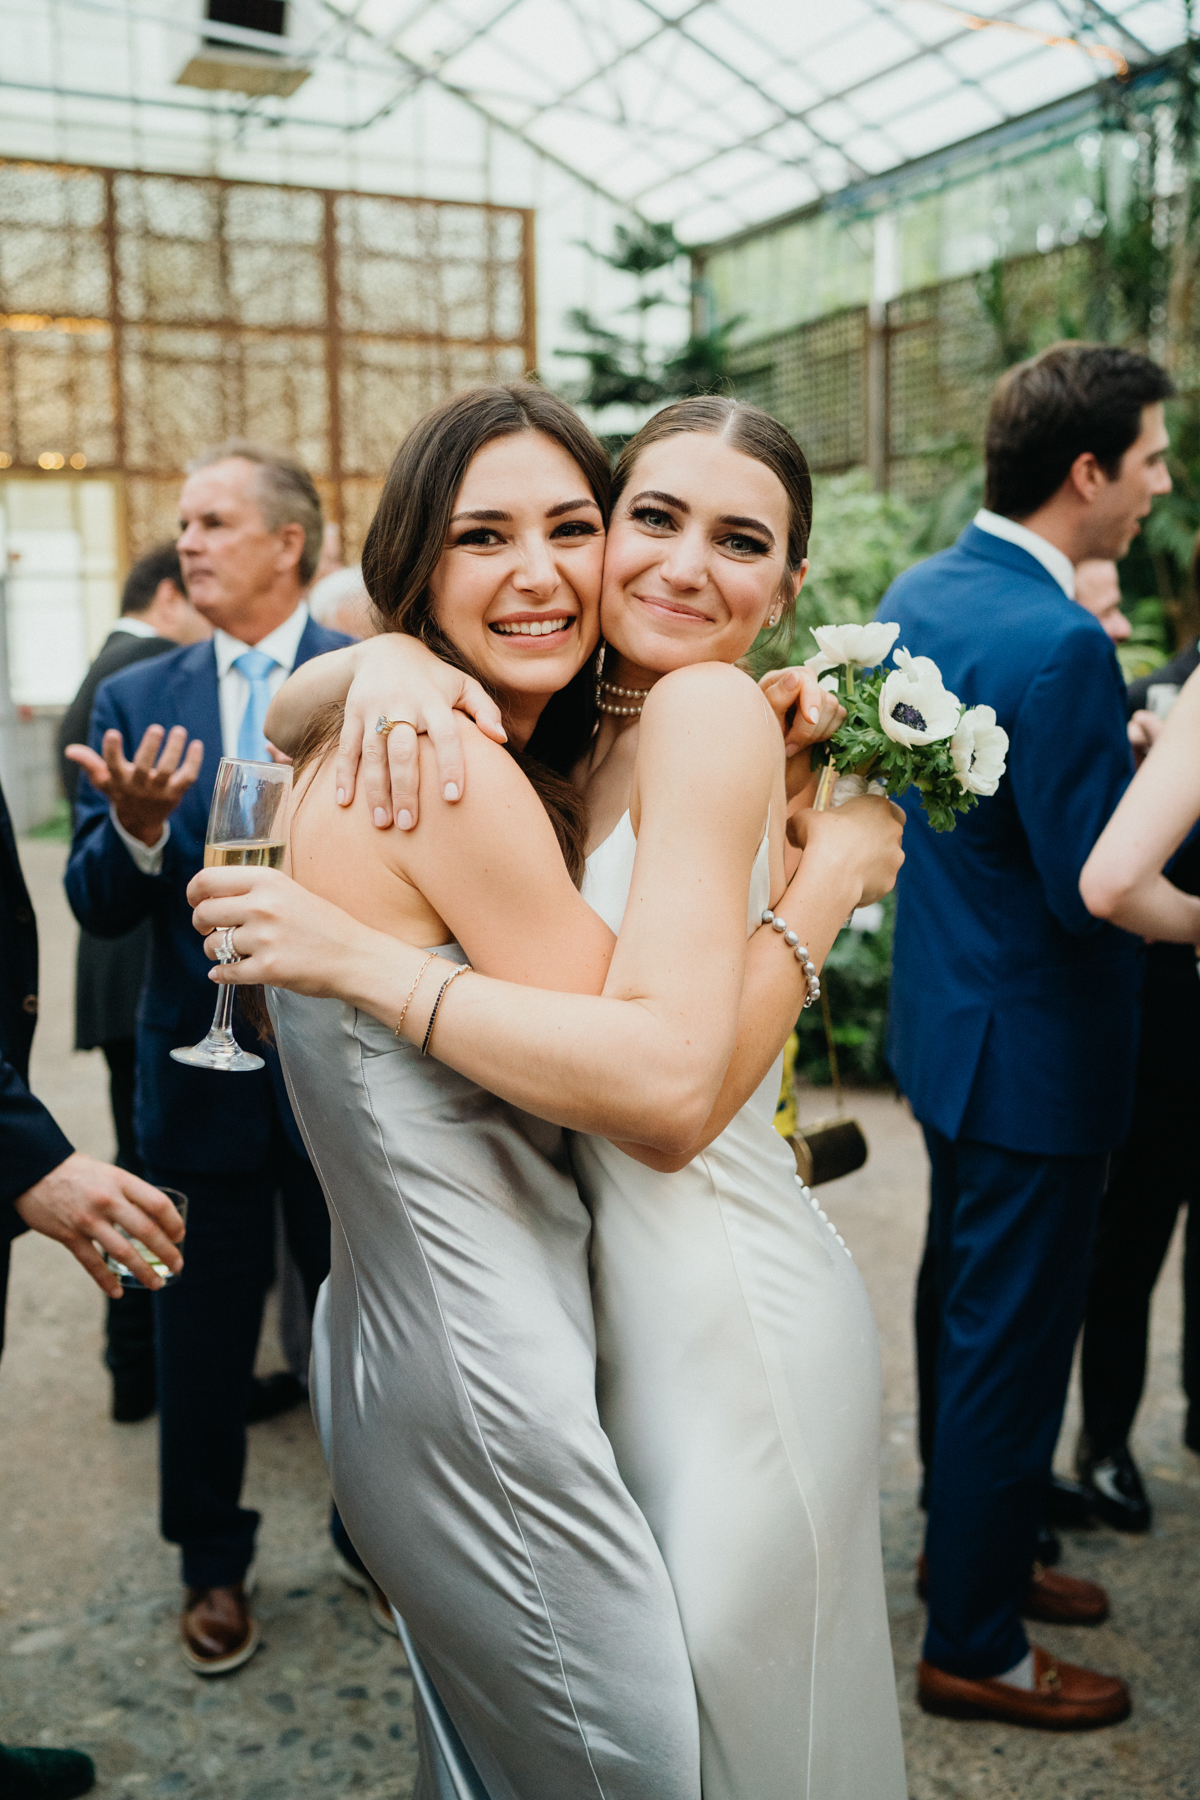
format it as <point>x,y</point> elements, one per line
<point>613,700</point>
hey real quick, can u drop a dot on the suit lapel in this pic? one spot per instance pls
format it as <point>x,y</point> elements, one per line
<point>193,690</point>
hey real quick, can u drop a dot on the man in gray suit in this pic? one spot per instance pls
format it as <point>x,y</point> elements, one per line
<point>156,616</point>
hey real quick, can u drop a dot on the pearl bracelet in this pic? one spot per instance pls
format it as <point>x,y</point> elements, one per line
<point>799,950</point>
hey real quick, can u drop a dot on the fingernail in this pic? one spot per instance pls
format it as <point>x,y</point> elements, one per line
<point>380,817</point>
<point>791,750</point>
<point>404,819</point>
<point>814,713</point>
<point>793,679</point>
<point>450,791</point>
<point>341,796</point>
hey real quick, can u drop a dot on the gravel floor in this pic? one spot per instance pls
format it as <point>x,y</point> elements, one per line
<point>88,1591</point>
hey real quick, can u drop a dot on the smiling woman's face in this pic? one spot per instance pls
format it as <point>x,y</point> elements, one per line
<point>697,555</point>
<point>517,587</point>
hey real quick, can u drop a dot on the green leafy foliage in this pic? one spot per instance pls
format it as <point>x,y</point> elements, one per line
<point>1148,645</point>
<point>641,249</point>
<point>622,368</point>
<point>860,746</point>
<point>855,978</point>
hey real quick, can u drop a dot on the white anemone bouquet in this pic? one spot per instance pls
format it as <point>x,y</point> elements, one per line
<point>903,727</point>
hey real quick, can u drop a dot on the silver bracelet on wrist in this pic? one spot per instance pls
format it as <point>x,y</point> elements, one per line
<point>799,951</point>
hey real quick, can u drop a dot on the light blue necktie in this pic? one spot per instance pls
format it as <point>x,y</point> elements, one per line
<point>255,665</point>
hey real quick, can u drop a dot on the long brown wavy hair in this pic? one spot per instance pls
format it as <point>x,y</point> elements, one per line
<point>405,542</point>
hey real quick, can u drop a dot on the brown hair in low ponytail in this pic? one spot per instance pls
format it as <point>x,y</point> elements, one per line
<point>405,542</point>
<point>755,433</point>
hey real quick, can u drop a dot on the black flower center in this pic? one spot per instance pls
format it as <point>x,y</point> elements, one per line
<point>908,715</point>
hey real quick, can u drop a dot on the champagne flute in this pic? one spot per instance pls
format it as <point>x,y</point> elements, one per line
<point>247,828</point>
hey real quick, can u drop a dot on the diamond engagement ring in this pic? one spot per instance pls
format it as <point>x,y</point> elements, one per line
<point>225,950</point>
<point>383,725</point>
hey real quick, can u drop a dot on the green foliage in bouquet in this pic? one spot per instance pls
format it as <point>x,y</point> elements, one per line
<point>861,747</point>
<point>903,727</point>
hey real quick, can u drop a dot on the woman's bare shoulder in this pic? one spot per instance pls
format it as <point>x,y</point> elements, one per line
<point>713,707</point>
<point>703,683</point>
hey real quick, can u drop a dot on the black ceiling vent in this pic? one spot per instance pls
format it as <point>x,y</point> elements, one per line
<point>246,68</point>
<point>251,15</point>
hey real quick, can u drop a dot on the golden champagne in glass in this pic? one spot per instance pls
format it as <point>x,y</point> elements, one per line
<point>247,829</point>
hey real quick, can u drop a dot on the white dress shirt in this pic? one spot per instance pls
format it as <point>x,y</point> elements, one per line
<point>1054,561</point>
<point>135,627</point>
<point>233,695</point>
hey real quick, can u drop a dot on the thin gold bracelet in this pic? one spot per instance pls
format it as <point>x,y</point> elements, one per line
<point>463,969</point>
<point>432,957</point>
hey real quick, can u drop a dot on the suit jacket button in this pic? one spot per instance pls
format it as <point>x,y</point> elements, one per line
<point>29,1004</point>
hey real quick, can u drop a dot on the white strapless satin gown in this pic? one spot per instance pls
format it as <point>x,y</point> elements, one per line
<point>738,1370</point>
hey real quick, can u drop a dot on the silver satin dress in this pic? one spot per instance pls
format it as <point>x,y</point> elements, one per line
<point>739,1383</point>
<point>454,1364</point>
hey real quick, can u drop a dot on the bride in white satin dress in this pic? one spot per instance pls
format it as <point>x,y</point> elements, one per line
<point>738,1365</point>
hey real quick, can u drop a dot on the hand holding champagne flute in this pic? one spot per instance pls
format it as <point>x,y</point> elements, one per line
<point>247,828</point>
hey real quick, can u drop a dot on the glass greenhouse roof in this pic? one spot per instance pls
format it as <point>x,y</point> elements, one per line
<point>713,114</point>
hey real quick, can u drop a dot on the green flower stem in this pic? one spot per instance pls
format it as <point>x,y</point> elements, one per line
<point>849,668</point>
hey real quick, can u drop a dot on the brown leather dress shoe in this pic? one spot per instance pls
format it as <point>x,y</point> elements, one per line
<point>1062,1698</point>
<point>219,1634</point>
<point>1053,1597</point>
<point>1064,1599</point>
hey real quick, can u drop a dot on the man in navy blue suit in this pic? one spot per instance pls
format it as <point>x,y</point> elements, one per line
<point>1013,1023</point>
<point>251,537</point>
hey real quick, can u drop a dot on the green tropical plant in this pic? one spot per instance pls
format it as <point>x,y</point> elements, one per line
<point>624,369</point>
<point>855,979</point>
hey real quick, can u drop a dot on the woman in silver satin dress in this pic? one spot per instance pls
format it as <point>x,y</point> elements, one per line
<point>454,1348</point>
<point>738,1359</point>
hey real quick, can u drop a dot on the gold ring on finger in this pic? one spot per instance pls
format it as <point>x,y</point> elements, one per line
<point>383,725</point>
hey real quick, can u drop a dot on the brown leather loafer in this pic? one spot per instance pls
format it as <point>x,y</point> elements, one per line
<point>1064,1599</point>
<point>1053,1597</point>
<point>219,1634</point>
<point>1063,1697</point>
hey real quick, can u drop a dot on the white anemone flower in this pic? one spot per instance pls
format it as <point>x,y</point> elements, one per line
<point>864,645</point>
<point>821,666</point>
<point>915,706</point>
<point>979,748</point>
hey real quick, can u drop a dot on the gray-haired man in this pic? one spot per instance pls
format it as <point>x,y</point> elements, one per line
<point>250,538</point>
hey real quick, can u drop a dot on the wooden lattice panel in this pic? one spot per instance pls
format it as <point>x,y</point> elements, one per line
<point>948,345</point>
<point>814,379</point>
<point>144,317</point>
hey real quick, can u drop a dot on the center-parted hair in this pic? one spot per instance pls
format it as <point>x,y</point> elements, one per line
<point>1071,399</point>
<point>755,433</point>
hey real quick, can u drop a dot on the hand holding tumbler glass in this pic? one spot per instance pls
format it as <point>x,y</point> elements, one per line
<point>247,828</point>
